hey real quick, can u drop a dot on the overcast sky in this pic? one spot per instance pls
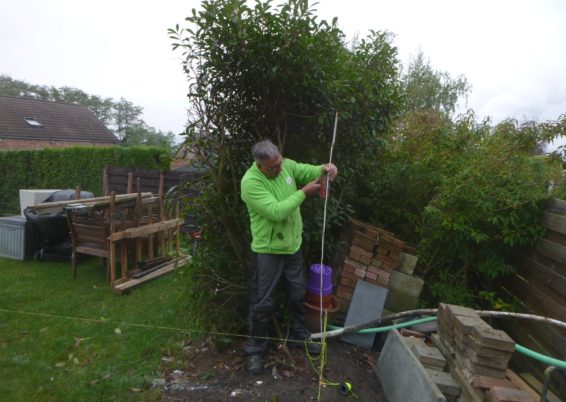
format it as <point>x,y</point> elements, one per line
<point>513,53</point>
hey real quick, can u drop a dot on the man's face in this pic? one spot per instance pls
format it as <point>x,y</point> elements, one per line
<point>271,167</point>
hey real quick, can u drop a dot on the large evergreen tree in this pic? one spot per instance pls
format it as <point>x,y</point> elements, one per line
<point>280,73</point>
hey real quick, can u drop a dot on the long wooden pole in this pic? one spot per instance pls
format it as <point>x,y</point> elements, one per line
<point>97,201</point>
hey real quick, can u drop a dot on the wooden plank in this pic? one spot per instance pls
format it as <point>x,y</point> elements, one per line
<point>117,181</point>
<point>554,222</point>
<point>557,206</point>
<point>523,365</point>
<point>115,170</point>
<point>547,337</point>
<point>552,250</point>
<point>89,201</point>
<point>521,333</point>
<point>136,232</point>
<point>92,251</point>
<point>538,386</point>
<point>124,286</point>
<point>555,237</point>
<point>551,338</point>
<point>517,380</point>
<point>533,270</point>
<point>548,262</point>
<point>534,299</point>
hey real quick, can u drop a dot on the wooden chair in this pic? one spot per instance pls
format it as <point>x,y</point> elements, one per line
<point>104,229</point>
<point>89,234</point>
<point>90,230</point>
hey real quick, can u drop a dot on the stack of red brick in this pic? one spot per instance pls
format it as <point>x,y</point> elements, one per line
<point>478,355</point>
<point>372,255</point>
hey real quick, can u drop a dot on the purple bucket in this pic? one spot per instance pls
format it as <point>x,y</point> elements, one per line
<point>313,280</point>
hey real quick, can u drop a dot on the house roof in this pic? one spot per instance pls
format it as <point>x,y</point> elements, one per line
<point>57,122</point>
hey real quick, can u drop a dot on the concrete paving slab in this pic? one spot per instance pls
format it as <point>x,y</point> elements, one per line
<point>367,305</point>
<point>402,377</point>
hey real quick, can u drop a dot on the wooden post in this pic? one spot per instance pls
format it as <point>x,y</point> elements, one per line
<point>112,261</point>
<point>77,192</point>
<point>105,190</point>
<point>178,230</point>
<point>123,248</point>
<point>123,258</point>
<point>170,240</point>
<point>162,232</point>
<point>161,183</point>
<point>112,245</point>
<point>150,237</point>
<point>138,217</point>
<point>111,210</point>
<point>130,182</point>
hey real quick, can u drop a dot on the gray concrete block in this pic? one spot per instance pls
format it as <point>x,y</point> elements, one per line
<point>464,325</point>
<point>499,394</point>
<point>478,369</point>
<point>445,383</point>
<point>493,338</point>
<point>453,310</point>
<point>464,378</point>
<point>367,305</point>
<point>428,355</point>
<point>408,284</point>
<point>398,301</point>
<point>402,377</point>
<point>407,263</point>
<point>497,359</point>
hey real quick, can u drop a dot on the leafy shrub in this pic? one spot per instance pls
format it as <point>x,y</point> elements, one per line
<point>465,194</point>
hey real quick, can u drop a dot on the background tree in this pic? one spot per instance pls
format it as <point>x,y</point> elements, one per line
<point>145,135</point>
<point>426,88</point>
<point>465,193</point>
<point>264,72</point>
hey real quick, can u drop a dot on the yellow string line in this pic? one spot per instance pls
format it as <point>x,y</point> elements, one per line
<point>322,351</point>
<point>147,326</point>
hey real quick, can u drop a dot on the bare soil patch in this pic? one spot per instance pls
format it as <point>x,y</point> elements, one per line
<point>213,375</point>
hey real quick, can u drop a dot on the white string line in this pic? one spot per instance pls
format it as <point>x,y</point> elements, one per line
<point>327,178</point>
<point>139,325</point>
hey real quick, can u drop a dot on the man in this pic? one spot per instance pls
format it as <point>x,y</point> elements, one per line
<point>269,189</point>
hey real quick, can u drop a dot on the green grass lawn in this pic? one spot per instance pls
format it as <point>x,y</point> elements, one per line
<point>56,356</point>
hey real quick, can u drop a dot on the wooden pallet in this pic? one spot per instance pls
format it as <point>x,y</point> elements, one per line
<point>122,286</point>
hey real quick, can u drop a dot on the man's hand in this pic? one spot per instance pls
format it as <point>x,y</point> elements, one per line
<point>331,169</point>
<point>311,188</point>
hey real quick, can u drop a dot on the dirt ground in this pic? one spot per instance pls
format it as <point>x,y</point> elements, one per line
<point>211,375</point>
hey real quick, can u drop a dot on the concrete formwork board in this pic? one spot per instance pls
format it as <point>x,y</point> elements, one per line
<point>402,377</point>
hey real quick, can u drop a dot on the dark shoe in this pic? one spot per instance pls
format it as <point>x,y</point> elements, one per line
<point>310,347</point>
<point>255,364</point>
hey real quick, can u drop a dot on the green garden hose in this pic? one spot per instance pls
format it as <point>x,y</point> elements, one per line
<point>521,349</point>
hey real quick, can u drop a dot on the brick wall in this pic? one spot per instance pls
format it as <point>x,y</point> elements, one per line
<point>372,254</point>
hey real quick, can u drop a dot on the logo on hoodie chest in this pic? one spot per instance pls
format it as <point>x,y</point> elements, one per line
<point>289,180</point>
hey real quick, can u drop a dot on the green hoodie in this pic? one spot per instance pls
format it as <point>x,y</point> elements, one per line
<point>274,206</point>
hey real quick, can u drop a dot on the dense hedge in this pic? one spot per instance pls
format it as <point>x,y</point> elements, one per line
<point>67,168</point>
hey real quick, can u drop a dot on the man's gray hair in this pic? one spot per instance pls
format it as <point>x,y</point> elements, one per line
<point>265,150</point>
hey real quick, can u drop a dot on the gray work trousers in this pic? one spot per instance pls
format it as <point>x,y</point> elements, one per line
<point>267,271</point>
